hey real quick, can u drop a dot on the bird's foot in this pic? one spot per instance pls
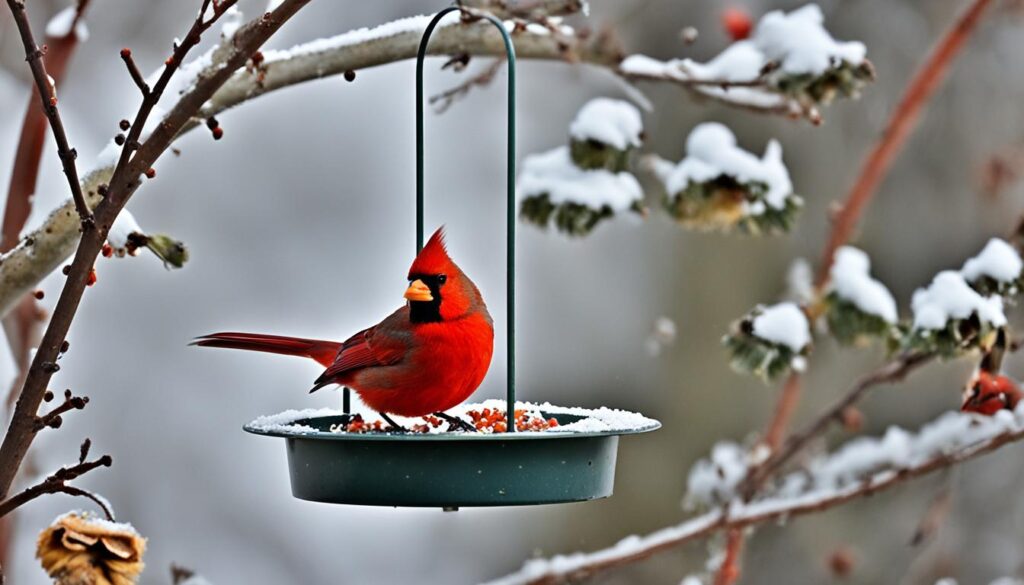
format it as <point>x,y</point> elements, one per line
<point>455,423</point>
<point>393,426</point>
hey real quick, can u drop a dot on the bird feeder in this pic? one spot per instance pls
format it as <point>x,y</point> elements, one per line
<point>452,470</point>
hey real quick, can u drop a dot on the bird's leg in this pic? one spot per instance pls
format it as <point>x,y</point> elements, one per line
<point>455,423</point>
<point>395,427</point>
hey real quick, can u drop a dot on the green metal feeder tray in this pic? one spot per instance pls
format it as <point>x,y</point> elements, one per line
<point>449,470</point>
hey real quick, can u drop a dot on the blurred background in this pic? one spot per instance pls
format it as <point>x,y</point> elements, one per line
<point>300,221</point>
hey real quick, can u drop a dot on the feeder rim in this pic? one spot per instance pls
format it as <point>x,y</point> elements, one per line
<point>453,436</point>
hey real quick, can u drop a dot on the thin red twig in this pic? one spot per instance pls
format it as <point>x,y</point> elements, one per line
<point>901,123</point>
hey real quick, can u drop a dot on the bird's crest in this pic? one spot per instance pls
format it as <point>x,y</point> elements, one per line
<point>433,258</point>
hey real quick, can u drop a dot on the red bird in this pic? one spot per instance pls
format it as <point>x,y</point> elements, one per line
<point>426,357</point>
<point>989,393</point>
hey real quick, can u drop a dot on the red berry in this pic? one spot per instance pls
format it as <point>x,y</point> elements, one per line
<point>126,52</point>
<point>107,251</point>
<point>150,173</point>
<point>737,23</point>
<point>38,295</point>
<point>92,278</point>
<point>218,133</point>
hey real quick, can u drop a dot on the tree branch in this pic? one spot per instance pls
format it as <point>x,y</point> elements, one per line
<point>42,251</point>
<point>739,515</point>
<point>48,99</point>
<point>532,10</point>
<point>893,371</point>
<point>124,182</point>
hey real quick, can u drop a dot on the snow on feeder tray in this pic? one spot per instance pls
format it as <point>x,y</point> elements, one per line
<point>569,459</point>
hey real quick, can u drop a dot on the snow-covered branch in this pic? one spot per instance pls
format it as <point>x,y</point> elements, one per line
<point>950,440</point>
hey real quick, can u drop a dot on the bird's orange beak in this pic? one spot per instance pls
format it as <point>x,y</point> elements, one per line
<point>418,291</point>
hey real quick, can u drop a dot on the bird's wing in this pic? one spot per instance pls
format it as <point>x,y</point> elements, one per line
<point>380,345</point>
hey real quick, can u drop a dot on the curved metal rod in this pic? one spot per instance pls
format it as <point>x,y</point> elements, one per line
<point>510,189</point>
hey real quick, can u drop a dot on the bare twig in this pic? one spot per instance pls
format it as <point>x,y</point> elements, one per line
<point>445,99</point>
<point>53,418</point>
<point>133,71</point>
<point>124,182</point>
<point>57,483</point>
<point>578,567</point>
<point>901,123</point>
<point>48,99</point>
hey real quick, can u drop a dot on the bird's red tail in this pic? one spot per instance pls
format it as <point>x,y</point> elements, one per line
<point>323,352</point>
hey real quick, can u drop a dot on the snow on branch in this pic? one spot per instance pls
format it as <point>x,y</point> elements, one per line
<point>858,306</point>
<point>576,187</point>
<point>791,65</point>
<point>950,317</point>
<point>722,186</point>
<point>770,341</point>
<point>995,270</point>
<point>862,468</point>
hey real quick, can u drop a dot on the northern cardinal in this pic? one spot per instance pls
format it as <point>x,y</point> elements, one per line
<point>989,393</point>
<point>426,357</point>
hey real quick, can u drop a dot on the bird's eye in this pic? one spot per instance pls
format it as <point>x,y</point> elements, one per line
<point>441,279</point>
